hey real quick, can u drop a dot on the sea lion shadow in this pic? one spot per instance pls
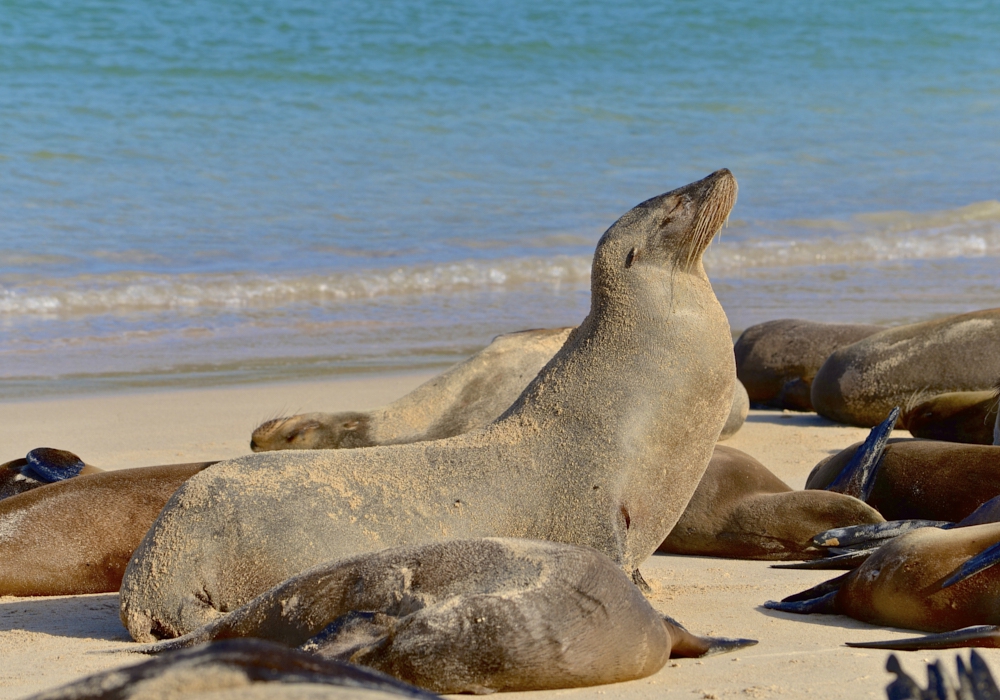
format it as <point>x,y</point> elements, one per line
<point>826,620</point>
<point>83,616</point>
<point>799,420</point>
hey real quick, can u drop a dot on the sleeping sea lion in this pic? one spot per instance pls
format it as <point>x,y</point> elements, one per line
<point>777,360</point>
<point>928,579</point>
<point>43,465</point>
<point>604,448</point>
<point>465,616</point>
<point>77,536</point>
<point>466,397</point>
<point>238,669</point>
<point>957,416</point>
<point>923,479</point>
<point>860,383</point>
<point>743,511</point>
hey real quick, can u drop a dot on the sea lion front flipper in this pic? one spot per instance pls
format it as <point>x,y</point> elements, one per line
<point>846,562</point>
<point>821,589</point>
<point>685,645</point>
<point>47,464</point>
<point>989,512</point>
<point>871,535</point>
<point>982,561</point>
<point>984,636</point>
<point>858,476</point>
<point>824,605</point>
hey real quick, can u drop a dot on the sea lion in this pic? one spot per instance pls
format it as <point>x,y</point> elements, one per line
<point>860,383</point>
<point>76,536</point>
<point>777,360</point>
<point>43,465</point>
<point>468,396</point>
<point>957,416</point>
<point>238,669</point>
<point>604,448</point>
<point>928,579</point>
<point>743,511</point>
<point>463,616</point>
<point>923,479</point>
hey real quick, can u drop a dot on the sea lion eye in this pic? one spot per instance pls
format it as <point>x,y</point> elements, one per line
<point>679,204</point>
<point>630,258</point>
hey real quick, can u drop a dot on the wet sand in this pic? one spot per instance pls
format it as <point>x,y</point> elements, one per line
<point>46,642</point>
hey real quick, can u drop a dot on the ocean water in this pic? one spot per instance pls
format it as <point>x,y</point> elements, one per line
<point>198,193</point>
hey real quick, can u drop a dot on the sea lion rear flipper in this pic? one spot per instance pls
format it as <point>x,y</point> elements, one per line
<point>982,561</point>
<point>47,464</point>
<point>685,645</point>
<point>846,562</point>
<point>824,605</point>
<point>985,636</point>
<point>857,478</point>
<point>989,512</point>
<point>870,535</point>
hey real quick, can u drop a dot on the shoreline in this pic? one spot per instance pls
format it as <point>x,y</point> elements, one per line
<point>47,642</point>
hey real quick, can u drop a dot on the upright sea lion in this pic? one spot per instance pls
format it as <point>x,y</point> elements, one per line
<point>928,579</point>
<point>860,383</point>
<point>924,479</point>
<point>604,448</point>
<point>777,360</point>
<point>475,616</point>
<point>43,465</point>
<point>743,511</point>
<point>468,396</point>
<point>77,536</point>
<point>238,669</point>
<point>957,416</point>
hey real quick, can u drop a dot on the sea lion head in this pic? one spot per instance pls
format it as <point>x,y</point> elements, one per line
<point>313,431</point>
<point>667,233</point>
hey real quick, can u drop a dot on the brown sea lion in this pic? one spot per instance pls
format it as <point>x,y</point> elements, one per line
<point>466,397</point>
<point>238,669</point>
<point>924,479</point>
<point>777,360</point>
<point>43,465</point>
<point>861,383</point>
<point>77,536</point>
<point>604,448</point>
<point>477,616</point>
<point>928,579</point>
<point>743,511</point>
<point>957,416</point>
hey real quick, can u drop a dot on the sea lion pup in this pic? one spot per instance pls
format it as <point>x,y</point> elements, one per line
<point>922,479</point>
<point>477,616</point>
<point>77,536</point>
<point>604,448</point>
<point>743,511</point>
<point>777,360</point>
<point>860,383</point>
<point>928,579</point>
<point>43,465</point>
<point>957,416</point>
<point>463,398</point>
<point>234,670</point>
<point>468,396</point>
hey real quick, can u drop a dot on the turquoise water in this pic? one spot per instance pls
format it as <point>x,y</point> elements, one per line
<point>212,192</point>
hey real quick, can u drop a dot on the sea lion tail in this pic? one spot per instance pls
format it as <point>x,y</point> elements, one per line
<point>48,465</point>
<point>983,636</point>
<point>844,562</point>
<point>858,477</point>
<point>982,561</point>
<point>871,535</point>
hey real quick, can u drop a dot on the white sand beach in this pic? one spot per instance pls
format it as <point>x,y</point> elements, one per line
<point>46,642</point>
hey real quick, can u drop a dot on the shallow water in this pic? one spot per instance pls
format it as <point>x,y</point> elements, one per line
<point>232,191</point>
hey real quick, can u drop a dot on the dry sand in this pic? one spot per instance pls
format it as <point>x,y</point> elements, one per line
<point>45,642</point>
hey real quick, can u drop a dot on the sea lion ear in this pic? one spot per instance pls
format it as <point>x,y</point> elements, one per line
<point>632,256</point>
<point>47,465</point>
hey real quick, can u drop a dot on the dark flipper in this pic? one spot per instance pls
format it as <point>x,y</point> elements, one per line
<point>870,535</point>
<point>824,605</point>
<point>989,512</point>
<point>683,644</point>
<point>982,561</point>
<point>47,464</point>
<point>845,562</point>
<point>818,590</point>
<point>857,478</point>
<point>984,636</point>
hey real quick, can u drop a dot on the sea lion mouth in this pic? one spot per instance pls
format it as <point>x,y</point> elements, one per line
<point>716,195</point>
